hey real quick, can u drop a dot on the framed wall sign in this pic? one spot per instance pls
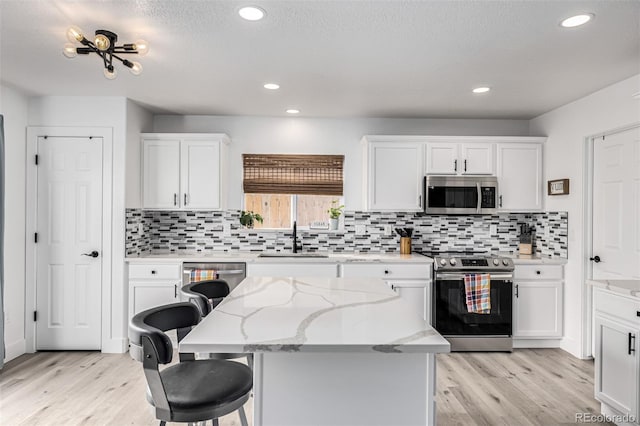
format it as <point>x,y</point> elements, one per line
<point>558,187</point>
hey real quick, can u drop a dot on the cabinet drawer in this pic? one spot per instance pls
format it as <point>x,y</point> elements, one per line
<point>387,270</point>
<point>616,305</point>
<point>538,272</point>
<point>155,271</point>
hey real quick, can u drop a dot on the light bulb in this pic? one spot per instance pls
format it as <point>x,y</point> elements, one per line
<point>74,34</point>
<point>69,50</point>
<point>102,42</point>
<point>251,13</point>
<point>110,74</point>
<point>142,47</point>
<point>136,68</point>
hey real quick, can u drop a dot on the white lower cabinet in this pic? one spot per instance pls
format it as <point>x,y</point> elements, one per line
<point>152,285</point>
<point>293,269</point>
<point>617,363</point>
<point>411,281</point>
<point>538,302</point>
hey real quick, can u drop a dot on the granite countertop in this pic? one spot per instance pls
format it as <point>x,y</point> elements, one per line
<point>313,314</point>
<point>626,287</point>
<point>250,257</point>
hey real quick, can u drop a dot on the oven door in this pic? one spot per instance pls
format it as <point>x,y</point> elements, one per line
<point>451,318</point>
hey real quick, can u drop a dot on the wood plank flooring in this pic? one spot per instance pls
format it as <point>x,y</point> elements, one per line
<point>526,387</point>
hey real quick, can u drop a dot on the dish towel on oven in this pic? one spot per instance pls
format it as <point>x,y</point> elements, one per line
<point>477,288</point>
<point>203,275</point>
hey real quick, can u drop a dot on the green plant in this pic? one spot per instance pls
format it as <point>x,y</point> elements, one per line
<point>335,210</point>
<point>248,218</point>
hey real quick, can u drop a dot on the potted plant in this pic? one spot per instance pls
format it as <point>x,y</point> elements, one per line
<point>248,218</point>
<point>334,214</point>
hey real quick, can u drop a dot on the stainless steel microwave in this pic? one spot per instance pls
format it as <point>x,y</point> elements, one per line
<point>460,194</point>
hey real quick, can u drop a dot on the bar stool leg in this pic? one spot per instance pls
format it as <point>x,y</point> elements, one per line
<point>243,417</point>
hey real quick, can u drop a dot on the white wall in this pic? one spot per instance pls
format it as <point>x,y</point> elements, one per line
<point>14,107</point>
<point>299,135</point>
<point>139,120</point>
<point>109,112</point>
<point>567,128</point>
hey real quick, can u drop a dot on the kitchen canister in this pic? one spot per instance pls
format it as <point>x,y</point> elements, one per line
<point>405,245</point>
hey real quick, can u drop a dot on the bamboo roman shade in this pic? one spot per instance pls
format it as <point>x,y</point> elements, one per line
<point>292,174</point>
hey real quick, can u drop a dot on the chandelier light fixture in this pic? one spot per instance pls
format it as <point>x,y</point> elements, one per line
<point>104,45</point>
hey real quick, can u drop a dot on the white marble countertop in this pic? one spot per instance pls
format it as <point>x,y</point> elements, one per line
<point>626,287</point>
<point>212,256</point>
<point>533,259</point>
<point>313,314</point>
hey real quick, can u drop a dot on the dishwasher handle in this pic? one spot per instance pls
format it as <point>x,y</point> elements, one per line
<point>221,271</point>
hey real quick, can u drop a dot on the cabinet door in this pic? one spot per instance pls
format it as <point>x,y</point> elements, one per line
<point>395,176</point>
<point>537,309</point>
<point>616,365</point>
<point>519,174</point>
<point>442,159</point>
<point>416,294</point>
<point>200,174</point>
<point>147,295</point>
<point>477,159</point>
<point>161,175</point>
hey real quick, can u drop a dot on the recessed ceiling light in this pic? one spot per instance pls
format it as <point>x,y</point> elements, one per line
<point>293,111</point>
<point>251,13</point>
<point>483,89</point>
<point>271,86</point>
<point>577,20</point>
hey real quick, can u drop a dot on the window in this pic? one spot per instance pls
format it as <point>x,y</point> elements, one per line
<point>284,188</point>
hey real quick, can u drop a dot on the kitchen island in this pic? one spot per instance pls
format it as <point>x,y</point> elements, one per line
<point>328,351</point>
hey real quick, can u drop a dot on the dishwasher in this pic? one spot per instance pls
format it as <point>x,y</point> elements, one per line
<point>232,273</point>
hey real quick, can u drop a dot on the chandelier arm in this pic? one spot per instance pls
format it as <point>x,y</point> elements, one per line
<point>125,62</point>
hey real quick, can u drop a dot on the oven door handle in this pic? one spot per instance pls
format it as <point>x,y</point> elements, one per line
<point>479,204</point>
<point>458,277</point>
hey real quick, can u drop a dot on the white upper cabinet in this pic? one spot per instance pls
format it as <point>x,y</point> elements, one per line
<point>393,176</point>
<point>450,158</point>
<point>184,171</point>
<point>519,171</point>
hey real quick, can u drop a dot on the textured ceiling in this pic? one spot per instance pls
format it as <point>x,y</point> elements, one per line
<point>331,58</point>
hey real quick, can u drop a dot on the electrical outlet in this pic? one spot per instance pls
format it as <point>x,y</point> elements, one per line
<point>226,229</point>
<point>388,230</point>
<point>140,228</point>
<point>493,230</point>
<point>361,230</point>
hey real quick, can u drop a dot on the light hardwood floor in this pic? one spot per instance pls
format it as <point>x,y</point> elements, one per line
<point>526,387</point>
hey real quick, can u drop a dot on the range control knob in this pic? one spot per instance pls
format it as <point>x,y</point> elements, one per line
<point>496,262</point>
<point>443,262</point>
<point>453,262</point>
<point>505,262</point>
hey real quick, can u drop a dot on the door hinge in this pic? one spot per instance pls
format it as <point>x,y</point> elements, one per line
<point>35,316</point>
<point>36,159</point>
<point>35,237</point>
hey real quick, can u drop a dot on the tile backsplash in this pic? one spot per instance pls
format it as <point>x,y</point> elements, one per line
<point>149,231</point>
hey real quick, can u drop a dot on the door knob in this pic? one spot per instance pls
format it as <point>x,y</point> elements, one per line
<point>92,254</point>
<point>595,259</point>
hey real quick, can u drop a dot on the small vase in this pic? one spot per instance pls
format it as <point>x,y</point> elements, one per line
<point>333,224</point>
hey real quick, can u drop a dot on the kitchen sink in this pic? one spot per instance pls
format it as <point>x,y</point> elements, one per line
<point>293,255</point>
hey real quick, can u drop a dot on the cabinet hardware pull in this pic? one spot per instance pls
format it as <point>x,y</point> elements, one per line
<point>638,313</point>
<point>153,272</point>
<point>632,341</point>
<point>185,199</point>
<point>538,272</point>
<point>175,199</point>
<point>175,290</point>
<point>500,200</point>
<point>465,165</point>
<point>455,165</point>
<point>386,271</point>
<point>517,290</point>
<point>419,200</point>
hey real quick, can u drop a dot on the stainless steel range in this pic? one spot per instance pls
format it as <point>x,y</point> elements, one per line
<point>470,331</point>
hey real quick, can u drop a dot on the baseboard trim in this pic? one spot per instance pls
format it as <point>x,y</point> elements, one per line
<point>115,346</point>
<point>536,343</point>
<point>14,350</point>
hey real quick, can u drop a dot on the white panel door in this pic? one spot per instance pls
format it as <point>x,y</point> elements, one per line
<point>616,205</point>
<point>477,159</point>
<point>617,368</point>
<point>442,159</point>
<point>396,176</point>
<point>147,295</point>
<point>519,172</point>
<point>416,294</point>
<point>69,226</point>
<point>161,179</point>
<point>537,310</point>
<point>200,174</point>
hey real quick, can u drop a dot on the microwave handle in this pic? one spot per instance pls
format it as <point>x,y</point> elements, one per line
<point>479,197</point>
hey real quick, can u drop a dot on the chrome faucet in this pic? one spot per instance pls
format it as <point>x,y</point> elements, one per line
<point>295,238</point>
